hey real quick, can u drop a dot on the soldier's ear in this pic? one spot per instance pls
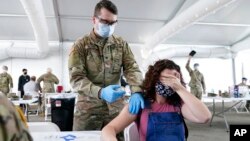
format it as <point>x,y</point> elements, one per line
<point>93,20</point>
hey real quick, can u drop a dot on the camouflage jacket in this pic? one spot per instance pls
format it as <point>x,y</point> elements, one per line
<point>11,126</point>
<point>6,80</point>
<point>49,80</point>
<point>197,79</point>
<point>95,63</point>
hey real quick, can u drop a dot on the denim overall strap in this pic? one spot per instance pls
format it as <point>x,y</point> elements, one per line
<point>167,126</point>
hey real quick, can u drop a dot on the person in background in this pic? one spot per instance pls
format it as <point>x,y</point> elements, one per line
<point>167,103</point>
<point>6,83</point>
<point>95,64</point>
<point>31,88</point>
<point>49,80</point>
<point>197,82</point>
<point>244,83</point>
<point>12,127</point>
<point>23,79</point>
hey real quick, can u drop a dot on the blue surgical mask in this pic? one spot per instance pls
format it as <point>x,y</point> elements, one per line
<point>163,90</point>
<point>105,30</point>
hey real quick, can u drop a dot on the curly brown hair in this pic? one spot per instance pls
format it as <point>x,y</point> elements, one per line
<point>153,75</point>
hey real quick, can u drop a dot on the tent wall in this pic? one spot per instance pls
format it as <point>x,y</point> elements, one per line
<point>218,77</point>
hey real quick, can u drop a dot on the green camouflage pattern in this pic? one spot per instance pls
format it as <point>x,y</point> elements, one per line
<point>12,128</point>
<point>197,82</point>
<point>5,83</point>
<point>95,63</point>
<point>49,80</point>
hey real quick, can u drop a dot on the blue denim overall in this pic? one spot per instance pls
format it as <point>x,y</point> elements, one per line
<point>167,126</point>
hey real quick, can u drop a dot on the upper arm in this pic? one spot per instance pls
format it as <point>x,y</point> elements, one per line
<point>40,79</point>
<point>76,63</point>
<point>122,120</point>
<point>188,67</point>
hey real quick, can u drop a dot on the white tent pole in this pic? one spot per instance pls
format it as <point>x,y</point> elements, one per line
<point>233,71</point>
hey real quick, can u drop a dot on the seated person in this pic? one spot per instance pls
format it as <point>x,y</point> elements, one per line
<point>167,103</point>
<point>31,88</point>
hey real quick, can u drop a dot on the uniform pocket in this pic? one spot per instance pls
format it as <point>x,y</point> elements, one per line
<point>93,60</point>
<point>117,59</point>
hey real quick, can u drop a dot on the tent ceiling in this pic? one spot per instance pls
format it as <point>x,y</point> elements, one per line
<point>225,27</point>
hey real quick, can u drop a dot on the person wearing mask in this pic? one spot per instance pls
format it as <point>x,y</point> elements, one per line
<point>49,80</point>
<point>95,64</point>
<point>23,79</point>
<point>197,82</point>
<point>6,83</point>
<point>167,103</point>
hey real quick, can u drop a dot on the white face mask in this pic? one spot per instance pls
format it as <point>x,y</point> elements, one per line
<point>105,30</point>
<point>196,68</point>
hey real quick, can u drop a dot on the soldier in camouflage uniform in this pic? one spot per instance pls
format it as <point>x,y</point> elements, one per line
<point>95,63</point>
<point>49,80</point>
<point>6,82</point>
<point>12,128</point>
<point>197,82</point>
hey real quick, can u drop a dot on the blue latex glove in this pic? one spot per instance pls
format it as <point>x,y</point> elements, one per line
<point>111,93</point>
<point>136,103</point>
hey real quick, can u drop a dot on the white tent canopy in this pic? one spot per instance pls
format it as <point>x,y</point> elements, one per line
<point>213,23</point>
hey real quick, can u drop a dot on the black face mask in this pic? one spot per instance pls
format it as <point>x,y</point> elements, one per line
<point>25,73</point>
<point>163,90</point>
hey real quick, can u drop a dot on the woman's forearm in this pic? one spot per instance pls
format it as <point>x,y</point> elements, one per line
<point>108,134</point>
<point>195,106</point>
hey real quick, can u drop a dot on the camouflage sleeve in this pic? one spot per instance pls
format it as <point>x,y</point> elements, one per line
<point>55,79</point>
<point>203,83</point>
<point>39,80</point>
<point>131,70</point>
<point>77,72</point>
<point>10,81</point>
<point>188,67</point>
<point>11,126</point>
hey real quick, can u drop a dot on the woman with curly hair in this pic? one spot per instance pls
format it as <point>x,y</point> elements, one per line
<point>167,103</point>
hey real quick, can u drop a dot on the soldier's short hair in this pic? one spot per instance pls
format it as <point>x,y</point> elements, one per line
<point>5,68</point>
<point>107,5</point>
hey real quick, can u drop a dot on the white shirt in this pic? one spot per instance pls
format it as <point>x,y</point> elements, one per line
<point>31,88</point>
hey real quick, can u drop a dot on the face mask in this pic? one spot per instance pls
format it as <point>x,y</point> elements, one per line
<point>105,30</point>
<point>196,68</point>
<point>163,90</point>
<point>25,73</point>
<point>4,71</point>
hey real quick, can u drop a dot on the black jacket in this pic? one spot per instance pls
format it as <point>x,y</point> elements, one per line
<point>22,80</point>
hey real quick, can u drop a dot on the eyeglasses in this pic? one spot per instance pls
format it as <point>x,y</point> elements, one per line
<point>106,21</point>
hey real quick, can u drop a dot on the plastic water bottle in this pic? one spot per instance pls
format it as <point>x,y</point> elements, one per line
<point>236,91</point>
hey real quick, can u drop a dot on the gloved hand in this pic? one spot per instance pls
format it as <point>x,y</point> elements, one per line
<point>136,103</point>
<point>111,93</point>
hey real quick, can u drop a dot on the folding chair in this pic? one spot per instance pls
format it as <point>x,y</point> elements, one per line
<point>131,133</point>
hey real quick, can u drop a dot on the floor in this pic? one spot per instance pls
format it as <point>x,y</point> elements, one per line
<point>203,132</point>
